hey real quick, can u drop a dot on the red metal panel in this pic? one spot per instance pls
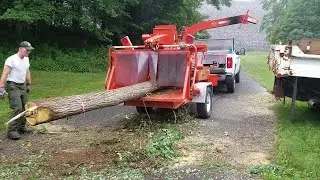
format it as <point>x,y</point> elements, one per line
<point>173,95</point>
<point>155,104</point>
<point>213,78</point>
<point>169,30</point>
<point>171,68</point>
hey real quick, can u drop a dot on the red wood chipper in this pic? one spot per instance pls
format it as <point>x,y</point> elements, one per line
<point>171,61</point>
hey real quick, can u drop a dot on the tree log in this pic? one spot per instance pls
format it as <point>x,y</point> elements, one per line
<point>56,108</point>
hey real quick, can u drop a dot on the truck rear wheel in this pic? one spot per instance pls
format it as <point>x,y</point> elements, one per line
<point>204,110</point>
<point>231,84</point>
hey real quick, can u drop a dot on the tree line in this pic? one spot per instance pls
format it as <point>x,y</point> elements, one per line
<point>288,20</point>
<point>74,23</point>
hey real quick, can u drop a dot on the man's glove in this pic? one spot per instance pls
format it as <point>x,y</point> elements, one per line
<point>2,92</point>
<point>29,88</point>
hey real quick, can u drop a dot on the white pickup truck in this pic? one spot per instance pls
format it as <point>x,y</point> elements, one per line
<point>223,60</point>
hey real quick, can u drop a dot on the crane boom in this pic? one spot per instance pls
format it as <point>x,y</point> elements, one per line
<point>243,19</point>
<point>168,35</point>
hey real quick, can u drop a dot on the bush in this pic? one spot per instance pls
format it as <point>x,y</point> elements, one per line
<point>53,58</point>
<point>161,144</point>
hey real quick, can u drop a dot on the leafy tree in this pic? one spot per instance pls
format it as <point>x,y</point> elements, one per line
<point>95,17</point>
<point>91,21</point>
<point>149,13</point>
<point>292,20</point>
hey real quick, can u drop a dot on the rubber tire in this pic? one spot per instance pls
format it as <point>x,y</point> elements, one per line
<point>202,107</point>
<point>142,110</point>
<point>231,83</point>
<point>238,77</point>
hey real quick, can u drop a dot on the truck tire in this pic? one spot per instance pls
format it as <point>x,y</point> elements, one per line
<point>231,84</point>
<point>204,110</point>
<point>238,77</point>
<point>142,110</point>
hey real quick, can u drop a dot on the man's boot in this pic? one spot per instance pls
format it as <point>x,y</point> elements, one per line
<point>13,135</point>
<point>25,130</point>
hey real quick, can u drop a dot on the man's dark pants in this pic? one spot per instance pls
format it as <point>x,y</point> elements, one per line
<point>18,97</point>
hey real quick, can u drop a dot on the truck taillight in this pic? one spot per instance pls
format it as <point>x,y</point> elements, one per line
<point>229,62</point>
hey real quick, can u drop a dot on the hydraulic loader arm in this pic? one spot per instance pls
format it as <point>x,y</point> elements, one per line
<point>243,19</point>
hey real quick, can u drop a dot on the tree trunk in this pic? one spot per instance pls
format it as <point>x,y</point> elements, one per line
<point>56,108</point>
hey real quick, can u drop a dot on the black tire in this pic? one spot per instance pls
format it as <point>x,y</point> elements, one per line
<point>204,110</point>
<point>142,110</point>
<point>238,77</point>
<point>231,84</point>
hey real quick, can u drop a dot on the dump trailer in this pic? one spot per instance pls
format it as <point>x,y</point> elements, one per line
<point>296,68</point>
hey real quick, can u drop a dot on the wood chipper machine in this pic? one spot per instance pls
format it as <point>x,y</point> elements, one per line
<point>171,62</point>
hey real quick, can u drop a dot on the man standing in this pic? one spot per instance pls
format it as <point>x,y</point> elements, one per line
<point>16,80</point>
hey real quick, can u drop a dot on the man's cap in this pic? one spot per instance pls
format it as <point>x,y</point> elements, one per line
<point>26,44</point>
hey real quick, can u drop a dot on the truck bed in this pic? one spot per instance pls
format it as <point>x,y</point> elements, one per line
<point>305,65</point>
<point>314,46</point>
<point>298,64</point>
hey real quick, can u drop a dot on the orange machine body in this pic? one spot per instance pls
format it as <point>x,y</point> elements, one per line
<point>167,59</point>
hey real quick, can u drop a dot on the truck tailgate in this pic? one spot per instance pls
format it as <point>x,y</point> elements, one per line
<point>305,65</point>
<point>217,58</point>
<point>298,64</point>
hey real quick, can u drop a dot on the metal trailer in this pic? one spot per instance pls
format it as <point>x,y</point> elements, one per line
<point>296,67</point>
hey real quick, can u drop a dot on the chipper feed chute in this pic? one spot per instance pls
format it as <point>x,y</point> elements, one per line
<point>167,69</point>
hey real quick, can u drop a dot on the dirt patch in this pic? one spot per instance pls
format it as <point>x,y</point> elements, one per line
<point>63,150</point>
<point>253,158</point>
<point>195,150</point>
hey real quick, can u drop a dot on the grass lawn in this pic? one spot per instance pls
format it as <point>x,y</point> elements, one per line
<point>54,84</point>
<point>297,148</point>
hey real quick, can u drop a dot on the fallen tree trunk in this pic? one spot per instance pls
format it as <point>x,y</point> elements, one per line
<point>56,108</point>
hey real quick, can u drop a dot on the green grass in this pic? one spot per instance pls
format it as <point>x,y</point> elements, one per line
<point>161,143</point>
<point>209,165</point>
<point>255,65</point>
<point>297,144</point>
<point>54,84</point>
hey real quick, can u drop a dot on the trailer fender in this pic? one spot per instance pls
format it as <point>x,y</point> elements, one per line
<point>201,97</point>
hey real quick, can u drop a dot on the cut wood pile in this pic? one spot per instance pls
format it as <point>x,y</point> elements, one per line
<point>56,108</point>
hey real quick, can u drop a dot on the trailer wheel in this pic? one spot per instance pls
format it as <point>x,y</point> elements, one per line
<point>144,110</point>
<point>231,84</point>
<point>204,110</point>
<point>238,77</point>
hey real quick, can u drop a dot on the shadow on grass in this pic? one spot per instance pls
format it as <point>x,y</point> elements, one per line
<point>302,114</point>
